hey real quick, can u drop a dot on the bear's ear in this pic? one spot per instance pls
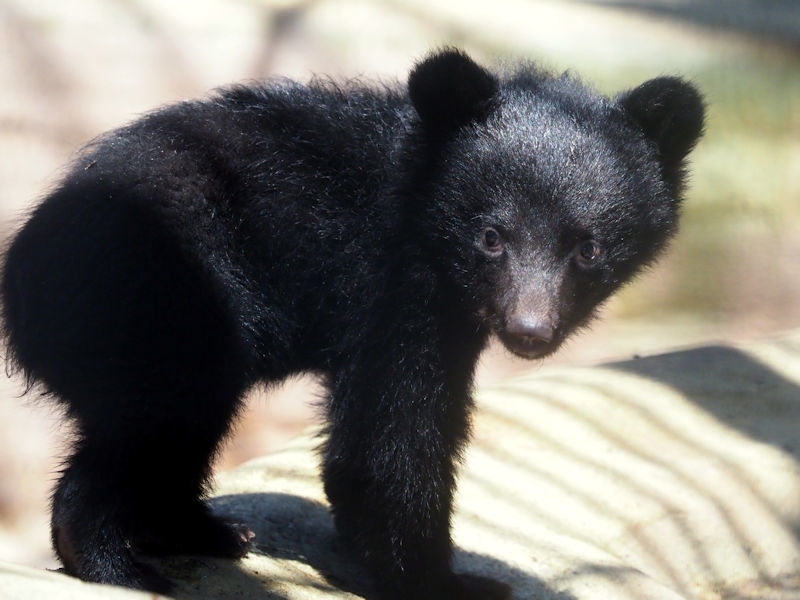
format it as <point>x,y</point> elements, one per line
<point>670,111</point>
<point>448,90</point>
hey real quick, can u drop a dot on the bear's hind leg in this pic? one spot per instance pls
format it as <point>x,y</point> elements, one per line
<point>130,489</point>
<point>91,523</point>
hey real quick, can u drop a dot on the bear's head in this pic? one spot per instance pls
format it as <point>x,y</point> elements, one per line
<point>543,196</point>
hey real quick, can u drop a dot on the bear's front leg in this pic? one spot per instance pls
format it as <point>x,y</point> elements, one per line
<point>389,470</point>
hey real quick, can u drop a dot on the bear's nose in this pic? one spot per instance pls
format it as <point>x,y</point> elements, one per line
<point>530,328</point>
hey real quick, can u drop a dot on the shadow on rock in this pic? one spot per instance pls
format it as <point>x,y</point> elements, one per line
<point>296,529</point>
<point>733,386</point>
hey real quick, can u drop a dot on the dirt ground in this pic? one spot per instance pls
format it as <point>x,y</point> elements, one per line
<point>70,70</point>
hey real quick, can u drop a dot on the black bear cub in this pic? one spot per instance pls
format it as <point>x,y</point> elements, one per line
<point>373,235</point>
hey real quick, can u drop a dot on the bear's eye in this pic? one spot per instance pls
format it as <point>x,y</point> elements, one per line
<point>587,252</point>
<point>492,242</point>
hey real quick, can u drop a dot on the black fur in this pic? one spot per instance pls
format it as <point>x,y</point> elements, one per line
<point>375,236</point>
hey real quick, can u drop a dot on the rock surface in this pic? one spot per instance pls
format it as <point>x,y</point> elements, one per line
<point>669,477</point>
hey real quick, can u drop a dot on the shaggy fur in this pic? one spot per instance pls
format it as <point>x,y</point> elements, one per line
<point>375,236</point>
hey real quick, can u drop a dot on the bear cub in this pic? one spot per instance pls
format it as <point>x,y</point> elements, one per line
<point>373,235</point>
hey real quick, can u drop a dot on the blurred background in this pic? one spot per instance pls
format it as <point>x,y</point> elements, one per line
<point>70,70</point>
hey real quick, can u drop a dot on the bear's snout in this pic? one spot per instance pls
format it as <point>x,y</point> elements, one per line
<point>530,327</point>
<point>528,336</point>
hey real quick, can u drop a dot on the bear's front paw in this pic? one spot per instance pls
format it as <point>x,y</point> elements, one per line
<point>476,587</point>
